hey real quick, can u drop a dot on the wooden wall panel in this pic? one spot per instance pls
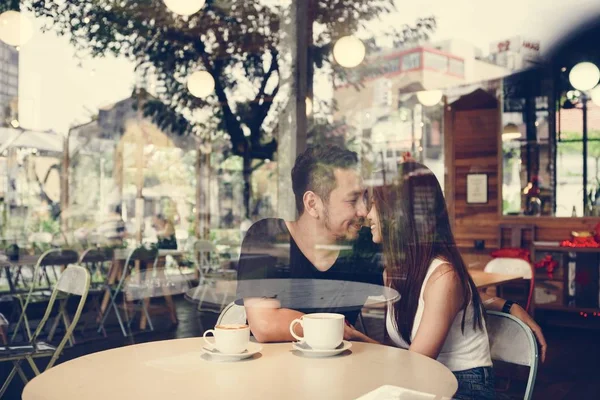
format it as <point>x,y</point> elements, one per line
<point>475,150</point>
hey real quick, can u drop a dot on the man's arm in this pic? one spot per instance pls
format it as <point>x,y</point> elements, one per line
<point>269,322</point>
<point>496,304</point>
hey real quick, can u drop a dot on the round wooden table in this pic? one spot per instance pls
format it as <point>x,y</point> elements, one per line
<point>174,369</point>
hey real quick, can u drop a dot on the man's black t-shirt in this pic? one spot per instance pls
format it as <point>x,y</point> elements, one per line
<point>271,265</point>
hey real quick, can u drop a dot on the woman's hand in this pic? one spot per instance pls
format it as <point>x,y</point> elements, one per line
<point>350,333</point>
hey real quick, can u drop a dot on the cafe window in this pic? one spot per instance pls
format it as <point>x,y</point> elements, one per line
<point>411,61</point>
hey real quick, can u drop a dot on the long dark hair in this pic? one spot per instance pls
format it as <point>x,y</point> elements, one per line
<point>416,230</point>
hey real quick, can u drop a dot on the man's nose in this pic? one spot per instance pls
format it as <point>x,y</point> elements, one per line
<point>361,209</point>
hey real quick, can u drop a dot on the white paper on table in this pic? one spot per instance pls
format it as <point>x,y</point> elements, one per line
<point>389,392</point>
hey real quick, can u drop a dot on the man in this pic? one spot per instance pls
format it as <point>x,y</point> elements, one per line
<point>329,199</point>
<point>329,196</point>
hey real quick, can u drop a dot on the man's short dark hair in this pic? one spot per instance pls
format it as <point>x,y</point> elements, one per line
<point>314,171</point>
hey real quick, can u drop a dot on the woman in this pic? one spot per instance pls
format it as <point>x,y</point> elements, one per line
<point>440,313</point>
<point>165,232</point>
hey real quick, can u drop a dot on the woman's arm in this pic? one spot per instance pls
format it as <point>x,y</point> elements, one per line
<point>496,304</point>
<point>443,298</point>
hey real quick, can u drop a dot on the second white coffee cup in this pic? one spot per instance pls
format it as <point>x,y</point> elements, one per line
<point>322,331</point>
<point>229,338</point>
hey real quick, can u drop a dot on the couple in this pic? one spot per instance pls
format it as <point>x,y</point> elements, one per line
<point>440,313</point>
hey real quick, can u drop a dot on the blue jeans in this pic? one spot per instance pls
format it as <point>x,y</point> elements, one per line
<point>475,383</point>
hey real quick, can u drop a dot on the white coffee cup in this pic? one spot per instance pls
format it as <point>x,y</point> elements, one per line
<point>229,338</point>
<point>322,331</point>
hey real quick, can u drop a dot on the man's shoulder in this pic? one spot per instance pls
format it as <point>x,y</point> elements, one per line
<point>267,229</point>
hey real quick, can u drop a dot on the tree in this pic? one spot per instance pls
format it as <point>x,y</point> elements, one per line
<point>237,43</point>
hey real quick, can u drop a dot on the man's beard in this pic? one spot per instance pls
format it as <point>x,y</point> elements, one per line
<point>345,236</point>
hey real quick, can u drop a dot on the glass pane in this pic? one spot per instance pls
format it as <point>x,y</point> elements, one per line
<point>569,179</point>
<point>511,180</point>
<point>527,163</point>
<point>435,61</point>
<point>456,66</point>
<point>411,61</point>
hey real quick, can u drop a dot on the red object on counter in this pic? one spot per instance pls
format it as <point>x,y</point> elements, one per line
<point>588,241</point>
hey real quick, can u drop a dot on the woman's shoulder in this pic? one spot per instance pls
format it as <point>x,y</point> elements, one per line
<point>442,273</point>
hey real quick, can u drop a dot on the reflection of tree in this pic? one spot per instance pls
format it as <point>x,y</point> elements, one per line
<point>511,192</point>
<point>238,45</point>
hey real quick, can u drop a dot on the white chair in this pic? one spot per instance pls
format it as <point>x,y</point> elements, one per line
<point>74,280</point>
<point>37,292</point>
<point>513,342</point>
<point>232,314</point>
<point>514,266</point>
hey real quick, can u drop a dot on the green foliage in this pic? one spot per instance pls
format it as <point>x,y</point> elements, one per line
<point>238,43</point>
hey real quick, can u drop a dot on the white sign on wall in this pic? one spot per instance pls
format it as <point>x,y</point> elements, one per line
<point>477,188</point>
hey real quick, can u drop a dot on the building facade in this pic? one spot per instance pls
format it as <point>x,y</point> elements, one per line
<point>9,84</point>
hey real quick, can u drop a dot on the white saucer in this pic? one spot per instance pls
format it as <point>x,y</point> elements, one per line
<point>310,352</point>
<point>215,354</point>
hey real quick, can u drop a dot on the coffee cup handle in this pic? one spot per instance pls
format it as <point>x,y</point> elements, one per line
<point>292,325</point>
<point>206,338</point>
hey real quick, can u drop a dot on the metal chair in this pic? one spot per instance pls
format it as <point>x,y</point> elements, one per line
<point>207,262</point>
<point>3,329</point>
<point>513,342</point>
<point>98,262</point>
<point>144,256</point>
<point>74,280</point>
<point>232,314</point>
<point>38,293</point>
<point>204,250</point>
<point>514,266</point>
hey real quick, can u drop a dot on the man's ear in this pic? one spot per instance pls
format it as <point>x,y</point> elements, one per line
<point>312,203</point>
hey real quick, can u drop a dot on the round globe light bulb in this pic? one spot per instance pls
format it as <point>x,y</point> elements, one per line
<point>184,7</point>
<point>584,76</point>
<point>429,97</point>
<point>201,84</point>
<point>349,51</point>
<point>15,28</point>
